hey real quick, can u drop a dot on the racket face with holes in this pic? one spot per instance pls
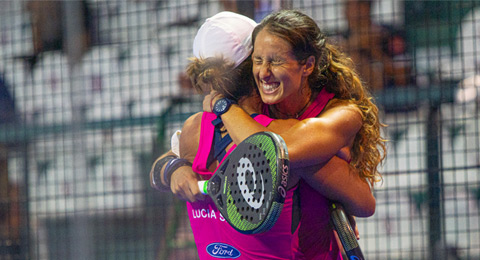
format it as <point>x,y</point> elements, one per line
<point>249,187</point>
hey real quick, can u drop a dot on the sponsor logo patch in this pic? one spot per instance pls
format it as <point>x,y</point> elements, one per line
<point>221,250</point>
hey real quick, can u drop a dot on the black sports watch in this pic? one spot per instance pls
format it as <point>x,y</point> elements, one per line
<point>222,105</point>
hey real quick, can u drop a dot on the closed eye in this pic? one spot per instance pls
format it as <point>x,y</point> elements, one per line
<point>257,61</point>
<point>277,62</point>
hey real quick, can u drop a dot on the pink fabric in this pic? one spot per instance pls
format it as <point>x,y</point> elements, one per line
<point>314,237</point>
<point>214,236</point>
<point>317,105</point>
<point>206,139</point>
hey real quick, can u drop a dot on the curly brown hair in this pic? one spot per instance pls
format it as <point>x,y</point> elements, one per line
<point>335,72</point>
<point>368,149</point>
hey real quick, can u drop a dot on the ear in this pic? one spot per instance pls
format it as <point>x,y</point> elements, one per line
<point>309,66</point>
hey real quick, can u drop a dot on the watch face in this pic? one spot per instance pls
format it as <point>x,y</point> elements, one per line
<point>220,106</point>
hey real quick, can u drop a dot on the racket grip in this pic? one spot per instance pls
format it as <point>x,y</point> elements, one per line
<point>202,186</point>
<point>345,232</point>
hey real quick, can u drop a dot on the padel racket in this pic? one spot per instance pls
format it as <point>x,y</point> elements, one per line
<point>249,186</point>
<point>345,232</point>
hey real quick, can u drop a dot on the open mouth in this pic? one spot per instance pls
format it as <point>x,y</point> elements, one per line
<point>269,88</point>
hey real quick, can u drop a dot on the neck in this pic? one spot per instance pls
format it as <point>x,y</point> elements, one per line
<point>291,109</point>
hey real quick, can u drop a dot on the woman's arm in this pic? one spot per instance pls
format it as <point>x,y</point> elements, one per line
<point>156,172</point>
<point>311,141</point>
<point>183,181</point>
<point>337,181</point>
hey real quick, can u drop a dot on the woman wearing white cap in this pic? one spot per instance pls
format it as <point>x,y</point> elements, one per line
<point>225,37</point>
<point>222,48</point>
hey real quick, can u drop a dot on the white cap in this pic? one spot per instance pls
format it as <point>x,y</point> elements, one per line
<point>227,35</point>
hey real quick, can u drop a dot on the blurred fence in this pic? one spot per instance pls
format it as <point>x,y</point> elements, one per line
<point>91,91</point>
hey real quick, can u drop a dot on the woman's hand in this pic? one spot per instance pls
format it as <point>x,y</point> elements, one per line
<point>184,184</point>
<point>353,223</point>
<point>210,99</point>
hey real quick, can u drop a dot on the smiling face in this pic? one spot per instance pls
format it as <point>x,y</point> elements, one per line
<point>280,78</point>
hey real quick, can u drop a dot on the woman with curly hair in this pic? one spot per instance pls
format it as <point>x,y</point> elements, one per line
<point>300,75</point>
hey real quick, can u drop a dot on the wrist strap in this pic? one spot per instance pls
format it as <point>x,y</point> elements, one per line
<point>172,166</point>
<point>157,170</point>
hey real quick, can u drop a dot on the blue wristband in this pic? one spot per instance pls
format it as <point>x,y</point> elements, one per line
<point>172,166</point>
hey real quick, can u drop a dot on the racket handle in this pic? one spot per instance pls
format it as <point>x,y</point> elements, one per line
<point>345,232</point>
<point>202,186</point>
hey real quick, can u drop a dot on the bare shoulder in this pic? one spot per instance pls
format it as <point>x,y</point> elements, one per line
<point>341,104</point>
<point>339,116</point>
<point>342,108</point>
<point>190,136</point>
<point>192,123</point>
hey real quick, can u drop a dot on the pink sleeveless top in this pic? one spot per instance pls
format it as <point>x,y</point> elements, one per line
<point>314,237</point>
<point>214,237</point>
